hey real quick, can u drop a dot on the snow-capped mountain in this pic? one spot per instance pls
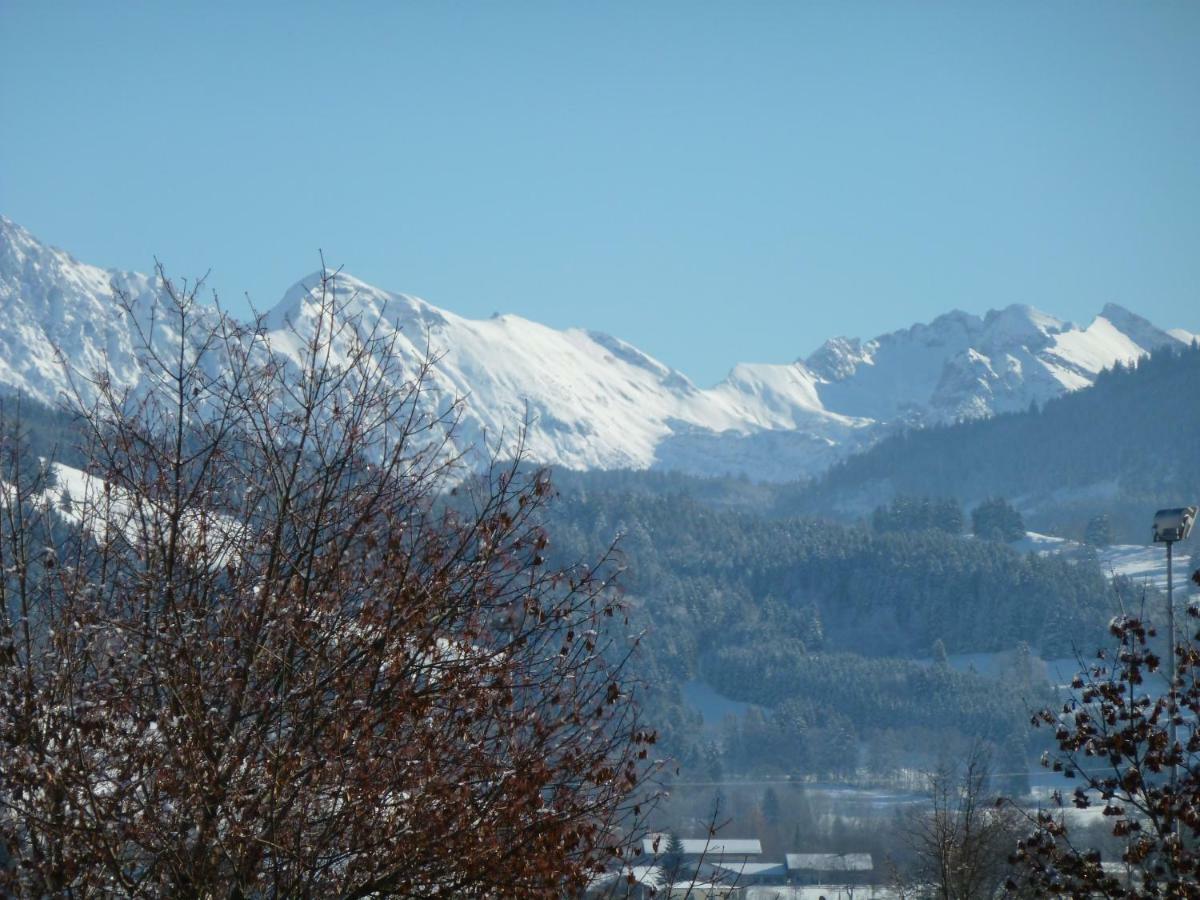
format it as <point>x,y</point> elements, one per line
<point>961,366</point>
<point>595,400</point>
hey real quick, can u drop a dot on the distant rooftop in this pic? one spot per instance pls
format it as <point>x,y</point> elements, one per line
<point>746,869</point>
<point>651,876</point>
<point>817,891</point>
<point>830,862</point>
<point>708,847</point>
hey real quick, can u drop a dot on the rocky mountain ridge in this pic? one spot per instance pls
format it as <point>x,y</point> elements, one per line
<point>595,401</point>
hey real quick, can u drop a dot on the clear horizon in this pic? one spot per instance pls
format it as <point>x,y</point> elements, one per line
<point>712,184</point>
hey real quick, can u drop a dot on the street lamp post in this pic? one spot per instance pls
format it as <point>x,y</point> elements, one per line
<point>1170,526</point>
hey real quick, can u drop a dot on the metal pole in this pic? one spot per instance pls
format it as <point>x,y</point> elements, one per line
<point>1171,663</point>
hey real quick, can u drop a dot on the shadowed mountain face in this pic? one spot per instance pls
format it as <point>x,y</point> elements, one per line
<point>596,401</point>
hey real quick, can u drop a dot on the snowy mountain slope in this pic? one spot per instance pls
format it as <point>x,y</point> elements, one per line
<point>962,366</point>
<point>62,322</point>
<point>596,401</point>
<point>51,301</point>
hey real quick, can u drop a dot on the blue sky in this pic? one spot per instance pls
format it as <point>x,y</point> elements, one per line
<point>715,182</point>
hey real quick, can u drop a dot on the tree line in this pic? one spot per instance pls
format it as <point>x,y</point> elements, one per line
<point>828,628</point>
<point>1121,447</point>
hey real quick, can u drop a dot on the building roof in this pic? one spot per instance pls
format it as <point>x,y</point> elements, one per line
<point>702,890</point>
<point>830,862</point>
<point>706,847</point>
<point>651,876</point>
<point>817,891</point>
<point>747,869</point>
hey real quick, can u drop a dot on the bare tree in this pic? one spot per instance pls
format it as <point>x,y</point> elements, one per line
<point>276,640</point>
<point>961,840</point>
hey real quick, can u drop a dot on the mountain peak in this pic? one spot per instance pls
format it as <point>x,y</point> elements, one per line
<point>351,297</point>
<point>594,400</point>
<point>1141,331</point>
<point>1020,323</point>
<point>839,358</point>
<point>10,229</point>
<point>1114,312</point>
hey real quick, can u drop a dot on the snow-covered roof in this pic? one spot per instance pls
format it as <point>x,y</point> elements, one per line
<point>747,869</point>
<point>830,862</point>
<point>651,876</point>
<point>817,891</point>
<point>703,890</point>
<point>707,847</point>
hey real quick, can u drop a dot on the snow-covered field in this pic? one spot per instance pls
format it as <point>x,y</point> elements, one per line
<point>1142,562</point>
<point>1145,564</point>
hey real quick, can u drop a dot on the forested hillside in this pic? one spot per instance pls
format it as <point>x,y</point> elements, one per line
<point>816,601</point>
<point>1127,445</point>
<point>718,574</point>
<point>828,628</point>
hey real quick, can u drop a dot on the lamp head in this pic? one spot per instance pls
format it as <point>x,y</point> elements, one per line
<point>1172,525</point>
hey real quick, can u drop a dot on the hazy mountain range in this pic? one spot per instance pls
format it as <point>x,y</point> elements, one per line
<point>595,400</point>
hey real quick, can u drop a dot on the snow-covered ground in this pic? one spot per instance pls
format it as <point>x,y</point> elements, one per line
<point>712,706</point>
<point>1147,563</point>
<point>1144,563</point>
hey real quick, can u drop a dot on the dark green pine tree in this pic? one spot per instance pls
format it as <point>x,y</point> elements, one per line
<point>672,859</point>
<point>997,520</point>
<point>940,657</point>
<point>770,806</point>
<point>1099,531</point>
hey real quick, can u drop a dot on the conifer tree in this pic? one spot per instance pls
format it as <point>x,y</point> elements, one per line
<point>997,520</point>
